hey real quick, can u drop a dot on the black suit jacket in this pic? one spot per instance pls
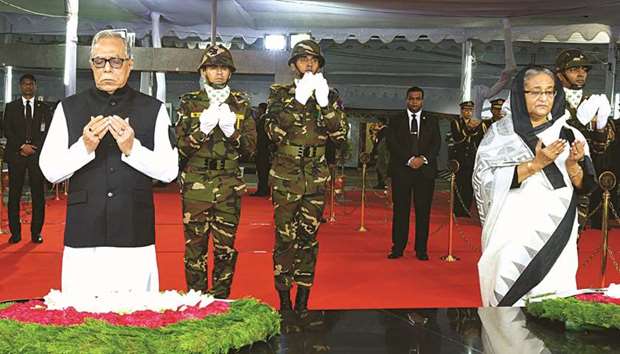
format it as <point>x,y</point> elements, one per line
<point>399,144</point>
<point>14,127</point>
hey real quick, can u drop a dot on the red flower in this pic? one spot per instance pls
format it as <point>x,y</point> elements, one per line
<point>36,312</point>
<point>598,298</point>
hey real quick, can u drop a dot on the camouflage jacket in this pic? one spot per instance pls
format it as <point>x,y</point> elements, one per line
<point>288,122</point>
<point>197,149</point>
<point>598,140</point>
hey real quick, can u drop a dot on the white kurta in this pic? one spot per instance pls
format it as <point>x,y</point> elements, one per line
<point>104,269</point>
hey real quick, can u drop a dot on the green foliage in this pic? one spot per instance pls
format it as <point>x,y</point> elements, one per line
<point>559,341</point>
<point>246,322</point>
<point>577,315</point>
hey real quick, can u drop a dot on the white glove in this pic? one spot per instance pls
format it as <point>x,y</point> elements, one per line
<point>587,109</point>
<point>321,90</point>
<point>208,119</point>
<point>604,110</point>
<point>228,120</point>
<point>304,88</point>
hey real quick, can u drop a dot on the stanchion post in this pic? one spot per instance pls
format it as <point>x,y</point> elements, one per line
<point>1,198</point>
<point>607,181</point>
<point>364,158</point>
<point>453,166</point>
<point>57,188</point>
<point>332,194</point>
<point>66,183</point>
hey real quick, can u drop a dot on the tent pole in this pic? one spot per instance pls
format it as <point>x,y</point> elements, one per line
<point>71,9</point>
<point>160,77</point>
<point>213,21</point>
<point>146,77</point>
<point>466,71</point>
<point>610,73</point>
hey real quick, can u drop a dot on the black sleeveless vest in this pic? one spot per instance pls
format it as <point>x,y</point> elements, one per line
<point>110,203</point>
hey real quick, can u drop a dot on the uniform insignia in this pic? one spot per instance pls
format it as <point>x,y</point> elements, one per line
<point>195,114</point>
<point>213,50</point>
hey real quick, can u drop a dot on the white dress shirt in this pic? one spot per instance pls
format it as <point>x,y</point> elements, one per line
<point>58,162</point>
<point>415,116</point>
<point>31,100</point>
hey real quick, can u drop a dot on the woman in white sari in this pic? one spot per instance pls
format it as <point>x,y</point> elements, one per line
<point>528,169</point>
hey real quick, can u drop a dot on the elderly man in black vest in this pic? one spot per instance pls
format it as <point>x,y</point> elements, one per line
<point>111,141</point>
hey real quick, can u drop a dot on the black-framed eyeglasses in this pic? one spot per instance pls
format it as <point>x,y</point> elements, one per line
<point>538,94</point>
<point>115,63</point>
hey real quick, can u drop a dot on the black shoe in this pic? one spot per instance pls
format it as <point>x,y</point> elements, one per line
<point>394,255</point>
<point>37,239</point>
<point>323,220</point>
<point>259,194</point>
<point>311,320</point>
<point>15,238</point>
<point>288,317</point>
<point>422,256</point>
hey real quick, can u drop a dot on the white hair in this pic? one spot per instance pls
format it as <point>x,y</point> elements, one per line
<point>538,70</point>
<point>110,33</point>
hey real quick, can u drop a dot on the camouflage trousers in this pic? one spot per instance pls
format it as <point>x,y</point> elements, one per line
<point>297,219</point>
<point>221,219</point>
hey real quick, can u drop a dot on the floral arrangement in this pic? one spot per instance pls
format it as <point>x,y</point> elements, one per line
<point>591,310</point>
<point>126,302</point>
<point>167,322</point>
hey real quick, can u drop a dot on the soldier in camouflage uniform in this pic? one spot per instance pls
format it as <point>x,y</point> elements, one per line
<point>467,133</point>
<point>214,130</point>
<point>589,114</point>
<point>301,116</point>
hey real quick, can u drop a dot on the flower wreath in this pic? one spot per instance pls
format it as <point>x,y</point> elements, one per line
<point>212,326</point>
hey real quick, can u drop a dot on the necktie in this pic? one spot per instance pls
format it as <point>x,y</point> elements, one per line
<point>28,122</point>
<point>414,136</point>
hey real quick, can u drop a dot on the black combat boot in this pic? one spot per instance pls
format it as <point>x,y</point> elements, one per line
<point>307,319</point>
<point>285,300</point>
<point>301,300</point>
<point>289,317</point>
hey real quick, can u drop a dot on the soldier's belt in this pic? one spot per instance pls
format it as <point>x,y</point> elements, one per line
<point>302,151</point>
<point>210,164</point>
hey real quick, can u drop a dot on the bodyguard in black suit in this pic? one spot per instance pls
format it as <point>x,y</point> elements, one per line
<point>25,123</point>
<point>414,142</point>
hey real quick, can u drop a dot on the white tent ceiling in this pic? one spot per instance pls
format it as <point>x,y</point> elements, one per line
<point>339,20</point>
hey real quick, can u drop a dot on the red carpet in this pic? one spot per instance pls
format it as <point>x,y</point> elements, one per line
<point>352,272</point>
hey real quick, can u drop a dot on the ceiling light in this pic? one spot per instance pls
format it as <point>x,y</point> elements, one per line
<point>298,37</point>
<point>275,42</point>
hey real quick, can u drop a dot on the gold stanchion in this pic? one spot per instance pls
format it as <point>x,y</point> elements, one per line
<point>364,158</point>
<point>1,197</point>
<point>332,194</point>
<point>387,193</point>
<point>453,166</point>
<point>607,181</point>
<point>57,188</point>
<point>66,183</point>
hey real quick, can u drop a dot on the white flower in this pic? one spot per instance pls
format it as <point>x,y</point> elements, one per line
<point>613,291</point>
<point>126,302</point>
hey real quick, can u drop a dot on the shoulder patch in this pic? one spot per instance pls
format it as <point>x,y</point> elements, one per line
<point>189,95</point>
<point>240,96</point>
<point>280,87</point>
